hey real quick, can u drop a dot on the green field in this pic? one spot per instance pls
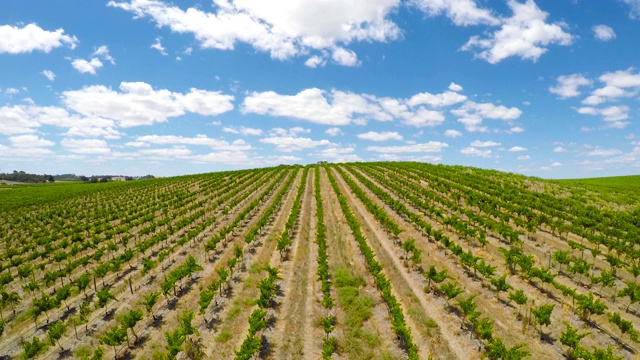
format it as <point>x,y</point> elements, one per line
<point>617,189</point>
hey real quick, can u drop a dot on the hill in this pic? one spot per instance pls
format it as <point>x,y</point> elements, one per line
<point>390,260</point>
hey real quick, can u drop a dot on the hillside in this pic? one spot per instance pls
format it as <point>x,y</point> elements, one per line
<point>388,260</point>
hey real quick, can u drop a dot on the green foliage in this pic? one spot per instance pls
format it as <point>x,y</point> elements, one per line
<point>571,338</point>
<point>436,276</point>
<point>497,350</point>
<point>32,348</point>
<point>55,332</point>
<point>542,315</point>
<point>149,301</point>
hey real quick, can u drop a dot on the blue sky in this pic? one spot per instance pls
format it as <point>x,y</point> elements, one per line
<point>135,87</point>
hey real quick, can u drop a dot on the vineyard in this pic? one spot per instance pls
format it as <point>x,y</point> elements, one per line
<point>341,261</point>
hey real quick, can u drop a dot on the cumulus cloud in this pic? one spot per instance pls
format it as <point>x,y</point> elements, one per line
<point>138,103</point>
<point>612,113</point>
<point>334,131</point>
<point>634,8</point>
<point>471,151</point>
<point>338,154</point>
<point>90,66</point>
<point>103,52</point>
<point>88,146</point>
<point>478,143</point>
<point>603,152</point>
<point>158,46</point>
<point>336,108</point>
<point>526,34</point>
<point>29,141</point>
<point>516,130</point>
<point>284,29</point>
<point>31,37</point>
<point>291,144</point>
<point>83,66</point>
<point>447,98</point>
<point>461,12</point>
<point>517,149</point>
<point>243,131</point>
<point>524,157</point>
<point>429,147</point>
<point>344,57</point>
<point>380,136</point>
<point>471,114</point>
<point>568,85</point>
<point>455,87</point>
<point>49,74</point>
<point>559,149</point>
<point>315,61</point>
<point>200,140</point>
<point>452,133</point>
<point>603,33</point>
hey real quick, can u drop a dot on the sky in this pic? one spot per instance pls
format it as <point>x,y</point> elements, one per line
<point>548,88</point>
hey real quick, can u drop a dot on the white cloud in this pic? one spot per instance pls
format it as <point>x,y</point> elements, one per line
<point>158,46</point>
<point>200,140</point>
<point>311,105</point>
<point>86,130</point>
<point>516,130</point>
<point>604,152</point>
<point>344,57</point>
<point>524,157</point>
<point>471,151</point>
<point>291,144</point>
<point>634,11</point>
<point>338,154</point>
<point>556,164</point>
<point>621,79</point>
<point>447,98</point>
<point>49,74</point>
<point>15,40</point>
<point>517,149</point>
<point>612,113</point>
<point>315,61</point>
<point>243,131</point>
<point>29,141</point>
<point>455,87</point>
<point>88,146</point>
<point>83,66</point>
<point>559,149</point>
<point>525,34</point>
<point>423,117</point>
<point>24,152</point>
<point>452,133</point>
<point>139,104</point>
<point>568,85</point>
<point>334,131</point>
<point>103,52</point>
<point>431,146</point>
<point>292,132</point>
<point>337,108</point>
<point>478,143</point>
<point>284,29</point>
<point>12,91</point>
<point>461,12</point>
<point>471,114</point>
<point>380,136</point>
<point>603,33</point>
<point>178,152</point>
